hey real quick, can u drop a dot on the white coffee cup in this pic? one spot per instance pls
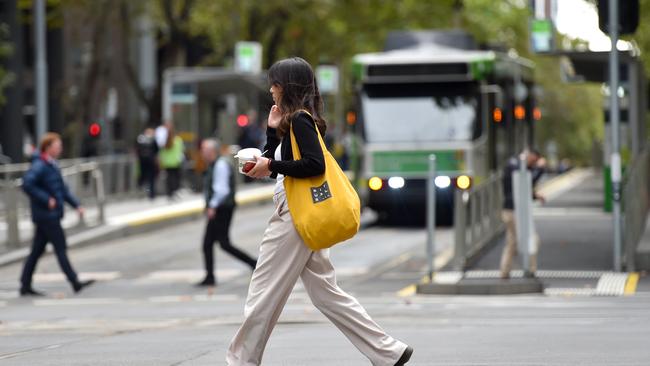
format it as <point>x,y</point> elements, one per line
<point>247,155</point>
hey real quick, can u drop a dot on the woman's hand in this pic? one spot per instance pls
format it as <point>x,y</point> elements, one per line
<point>274,117</point>
<point>261,168</point>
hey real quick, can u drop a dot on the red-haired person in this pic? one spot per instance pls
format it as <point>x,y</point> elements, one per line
<point>47,193</point>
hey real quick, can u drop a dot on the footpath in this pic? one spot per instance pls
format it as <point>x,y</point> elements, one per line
<point>129,217</point>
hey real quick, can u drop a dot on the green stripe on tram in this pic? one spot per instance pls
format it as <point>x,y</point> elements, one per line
<point>392,162</point>
<point>480,69</point>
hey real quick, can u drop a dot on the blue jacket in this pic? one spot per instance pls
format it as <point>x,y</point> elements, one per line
<point>42,181</point>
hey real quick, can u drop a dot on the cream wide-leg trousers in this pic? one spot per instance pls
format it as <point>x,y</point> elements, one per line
<point>283,258</point>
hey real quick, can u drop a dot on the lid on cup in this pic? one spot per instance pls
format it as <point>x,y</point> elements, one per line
<point>248,153</point>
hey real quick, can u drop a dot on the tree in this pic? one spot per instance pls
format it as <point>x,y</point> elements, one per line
<point>571,115</point>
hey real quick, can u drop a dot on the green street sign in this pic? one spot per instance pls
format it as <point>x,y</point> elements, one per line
<point>542,35</point>
<point>248,57</point>
<point>328,79</point>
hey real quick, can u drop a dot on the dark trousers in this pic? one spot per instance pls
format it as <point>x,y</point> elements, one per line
<point>50,231</point>
<point>173,180</point>
<point>218,229</point>
<point>148,176</point>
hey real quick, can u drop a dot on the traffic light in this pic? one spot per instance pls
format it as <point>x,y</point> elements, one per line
<point>520,112</point>
<point>242,120</point>
<point>351,118</point>
<point>497,115</point>
<point>94,130</point>
<point>628,16</point>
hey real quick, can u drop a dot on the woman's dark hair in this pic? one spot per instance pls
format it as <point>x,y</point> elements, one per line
<point>299,91</point>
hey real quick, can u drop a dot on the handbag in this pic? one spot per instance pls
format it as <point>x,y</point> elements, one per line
<point>325,209</point>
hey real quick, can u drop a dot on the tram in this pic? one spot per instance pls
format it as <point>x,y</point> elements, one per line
<point>437,93</point>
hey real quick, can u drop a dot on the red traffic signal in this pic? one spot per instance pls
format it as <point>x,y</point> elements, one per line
<point>242,120</point>
<point>94,129</point>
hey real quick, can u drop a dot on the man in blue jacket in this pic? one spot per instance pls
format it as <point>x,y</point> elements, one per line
<point>47,193</point>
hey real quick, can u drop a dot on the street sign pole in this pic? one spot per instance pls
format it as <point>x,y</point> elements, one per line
<point>41,69</point>
<point>615,163</point>
<point>431,215</point>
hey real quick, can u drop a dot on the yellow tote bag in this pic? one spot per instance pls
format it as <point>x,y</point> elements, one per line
<point>325,209</point>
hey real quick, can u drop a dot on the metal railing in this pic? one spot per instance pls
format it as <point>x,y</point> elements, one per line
<point>635,199</point>
<point>93,181</point>
<point>477,219</point>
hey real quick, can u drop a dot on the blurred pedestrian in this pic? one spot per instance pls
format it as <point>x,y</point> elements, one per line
<point>564,166</point>
<point>48,193</point>
<point>147,150</point>
<point>161,133</point>
<point>537,165</point>
<point>219,188</point>
<point>283,254</point>
<point>171,158</point>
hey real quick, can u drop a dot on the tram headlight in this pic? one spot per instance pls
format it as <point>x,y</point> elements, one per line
<point>375,183</point>
<point>442,181</point>
<point>463,182</point>
<point>396,182</point>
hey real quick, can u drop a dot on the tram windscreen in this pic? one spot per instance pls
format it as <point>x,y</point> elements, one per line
<point>420,113</point>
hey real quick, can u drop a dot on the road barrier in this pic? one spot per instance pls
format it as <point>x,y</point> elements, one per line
<point>635,200</point>
<point>91,180</point>
<point>477,219</point>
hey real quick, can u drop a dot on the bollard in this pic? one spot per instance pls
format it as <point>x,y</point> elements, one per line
<point>99,193</point>
<point>522,211</point>
<point>431,215</point>
<point>11,207</point>
<point>460,230</point>
<point>133,175</point>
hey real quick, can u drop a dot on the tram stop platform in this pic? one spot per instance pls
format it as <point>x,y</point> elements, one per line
<point>575,255</point>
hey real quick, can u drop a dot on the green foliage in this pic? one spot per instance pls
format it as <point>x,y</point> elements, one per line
<point>319,31</point>
<point>571,113</point>
<point>332,31</point>
<point>642,35</point>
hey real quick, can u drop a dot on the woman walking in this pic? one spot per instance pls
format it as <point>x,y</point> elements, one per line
<point>283,255</point>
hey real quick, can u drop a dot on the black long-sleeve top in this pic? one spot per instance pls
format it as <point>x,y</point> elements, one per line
<point>311,162</point>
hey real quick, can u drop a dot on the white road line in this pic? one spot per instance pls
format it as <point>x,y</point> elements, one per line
<point>577,213</point>
<point>60,277</point>
<point>75,302</point>
<point>612,284</point>
<point>195,298</point>
<point>8,294</point>
<point>558,291</point>
<point>540,274</point>
<point>3,303</point>
<point>188,275</point>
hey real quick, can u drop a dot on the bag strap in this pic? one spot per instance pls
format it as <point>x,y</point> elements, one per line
<point>306,111</point>
<point>294,144</point>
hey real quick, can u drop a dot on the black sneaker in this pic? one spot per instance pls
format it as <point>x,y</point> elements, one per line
<point>208,281</point>
<point>406,356</point>
<point>30,292</point>
<point>81,285</point>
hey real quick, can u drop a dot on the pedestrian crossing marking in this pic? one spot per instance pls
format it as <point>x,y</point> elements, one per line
<point>59,277</point>
<point>191,275</point>
<point>609,283</point>
<point>79,301</point>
